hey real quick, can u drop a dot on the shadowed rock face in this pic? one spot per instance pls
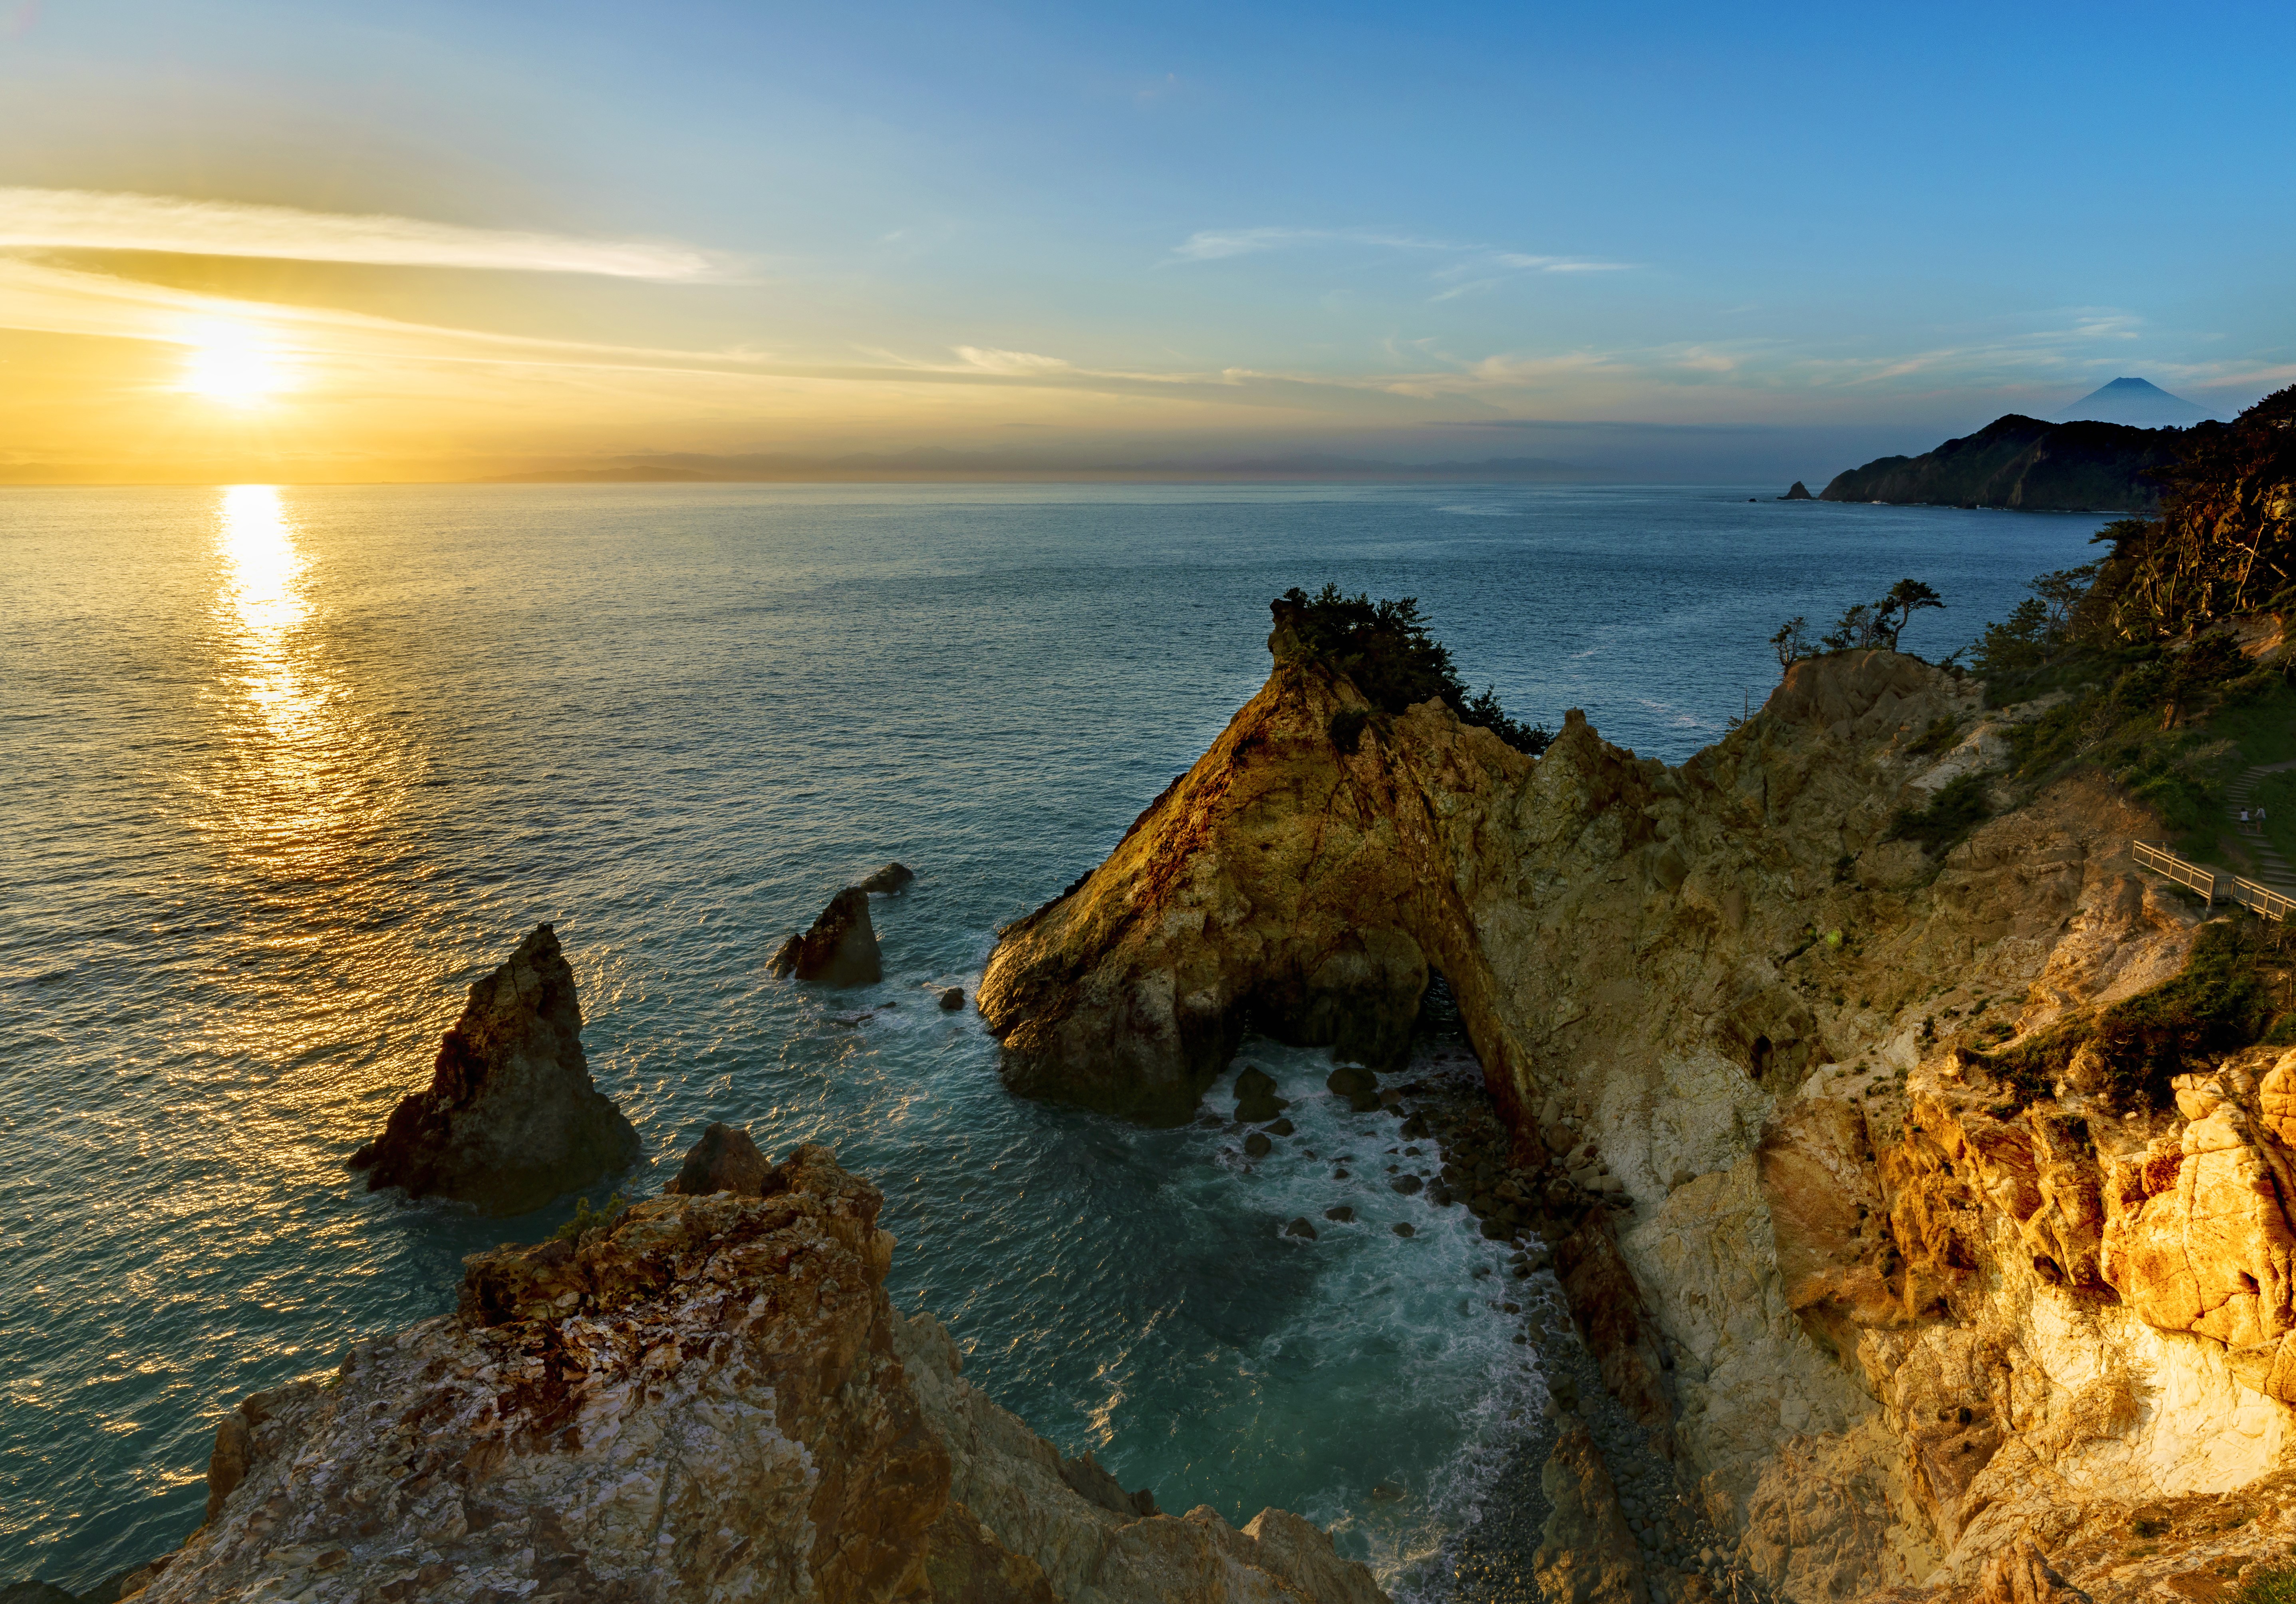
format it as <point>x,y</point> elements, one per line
<point>724,1160</point>
<point>840,948</point>
<point>511,1119</point>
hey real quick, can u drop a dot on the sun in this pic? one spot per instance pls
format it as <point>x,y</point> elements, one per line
<point>232,366</point>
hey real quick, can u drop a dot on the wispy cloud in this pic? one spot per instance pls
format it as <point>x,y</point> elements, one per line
<point>100,220</point>
<point>1213,244</point>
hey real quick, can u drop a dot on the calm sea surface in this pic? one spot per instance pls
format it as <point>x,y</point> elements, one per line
<point>282,771</point>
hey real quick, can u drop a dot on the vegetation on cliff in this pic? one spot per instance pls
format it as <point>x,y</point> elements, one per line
<point>2025,463</point>
<point>2155,690</point>
<point>1386,651</point>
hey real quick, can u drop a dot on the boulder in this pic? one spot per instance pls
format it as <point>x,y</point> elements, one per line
<point>1256,1146</point>
<point>885,880</point>
<point>1256,1101</point>
<point>840,949</point>
<point>952,998</point>
<point>1585,1553</point>
<point>725,1160</point>
<point>511,1118</point>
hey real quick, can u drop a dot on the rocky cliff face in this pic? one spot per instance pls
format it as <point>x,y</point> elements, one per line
<point>708,1399</point>
<point>1910,1311</point>
<point>511,1118</point>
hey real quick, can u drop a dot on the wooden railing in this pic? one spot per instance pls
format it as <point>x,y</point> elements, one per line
<point>2264,900</point>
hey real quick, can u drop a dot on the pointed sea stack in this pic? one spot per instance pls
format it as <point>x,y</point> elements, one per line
<point>840,949</point>
<point>1800,492</point>
<point>511,1119</point>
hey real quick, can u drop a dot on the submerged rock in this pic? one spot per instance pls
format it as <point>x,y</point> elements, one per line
<point>840,949</point>
<point>706,1401</point>
<point>511,1119</point>
<point>724,1160</point>
<point>890,878</point>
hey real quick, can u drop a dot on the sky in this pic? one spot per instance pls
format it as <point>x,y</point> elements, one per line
<point>319,241</point>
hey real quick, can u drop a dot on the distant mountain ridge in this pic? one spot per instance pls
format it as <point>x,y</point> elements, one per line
<point>2024,464</point>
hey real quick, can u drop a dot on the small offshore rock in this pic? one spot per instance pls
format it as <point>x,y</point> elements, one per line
<point>1255,1096</point>
<point>890,878</point>
<point>725,1160</point>
<point>512,1118</point>
<point>840,949</point>
<point>1300,1228</point>
<point>1406,1185</point>
<point>1404,1228</point>
<point>1256,1146</point>
<point>1343,1213</point>
<point>1281,1127</point>
<point>952,998</point>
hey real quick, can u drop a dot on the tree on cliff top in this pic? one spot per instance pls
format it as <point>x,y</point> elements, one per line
<point>1386,650</point>
<point>1865,627</point>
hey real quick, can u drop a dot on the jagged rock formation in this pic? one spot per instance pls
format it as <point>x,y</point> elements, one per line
<point>724,1160</point>
<point>839,949</point>
<point>1894,1311</point>
<point>1586,1554</point>
<point>708,1399</point>
<point>511,1118</point>
<point>2024,462</point>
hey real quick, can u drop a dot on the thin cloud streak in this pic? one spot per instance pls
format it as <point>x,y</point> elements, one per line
<point>99,220</point>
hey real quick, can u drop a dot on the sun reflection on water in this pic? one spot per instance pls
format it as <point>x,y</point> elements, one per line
<point>263,568</point>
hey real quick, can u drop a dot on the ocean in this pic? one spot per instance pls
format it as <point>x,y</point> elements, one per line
<point>282,770</point>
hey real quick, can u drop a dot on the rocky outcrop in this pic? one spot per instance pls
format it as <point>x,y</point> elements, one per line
<point>1892,1309</point>
<point>1797,491</point>
<point>1586,1554</point>
<point>888,878</point>
<point>511,1118</point>
<point>724,1160</point>
<point>707,1398</point>
<point>839,949</point>
<point>2024,462</point>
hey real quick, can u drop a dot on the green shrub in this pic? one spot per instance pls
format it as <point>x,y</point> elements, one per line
<point>586,1220</point>
<point>1959,807</point>
<point>1937,739</point>
<point>1385,650</point>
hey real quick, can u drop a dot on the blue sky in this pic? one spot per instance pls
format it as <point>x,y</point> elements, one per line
<point>1389,230</point>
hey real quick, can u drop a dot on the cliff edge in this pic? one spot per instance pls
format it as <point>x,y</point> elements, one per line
<point>1838,1037</point>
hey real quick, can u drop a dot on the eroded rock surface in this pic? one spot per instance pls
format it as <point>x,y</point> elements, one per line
<point>511,1118</point>
<point>1586,1554</point>
<point>708,1399</point>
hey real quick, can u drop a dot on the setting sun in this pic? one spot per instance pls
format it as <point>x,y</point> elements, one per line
<point>232,365</point>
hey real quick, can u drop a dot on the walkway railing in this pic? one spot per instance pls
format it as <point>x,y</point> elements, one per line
<point>2264,900</point>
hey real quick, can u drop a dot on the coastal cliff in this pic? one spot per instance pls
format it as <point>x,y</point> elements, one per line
<point>1923,1279</point>
<point>707,1398</point>
<point>2027,465</point>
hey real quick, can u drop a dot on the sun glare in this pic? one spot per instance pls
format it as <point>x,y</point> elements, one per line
<point>232,366</point>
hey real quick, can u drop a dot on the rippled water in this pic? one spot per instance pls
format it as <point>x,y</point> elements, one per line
<point>284,770</point>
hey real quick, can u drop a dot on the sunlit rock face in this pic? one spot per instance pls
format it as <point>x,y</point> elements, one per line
<point>1909,1313</point>
<point>707,1401</point>
<point>511,1118</point>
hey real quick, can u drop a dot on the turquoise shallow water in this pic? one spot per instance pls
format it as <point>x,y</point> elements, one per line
<point>285,770</point>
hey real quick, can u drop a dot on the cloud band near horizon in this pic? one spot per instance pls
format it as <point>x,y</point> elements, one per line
<point>98,220</point>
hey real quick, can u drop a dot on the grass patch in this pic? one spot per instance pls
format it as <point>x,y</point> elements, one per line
<point>2223,999</point>
<point>1959,807</point>
<point>2273,1586</point>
